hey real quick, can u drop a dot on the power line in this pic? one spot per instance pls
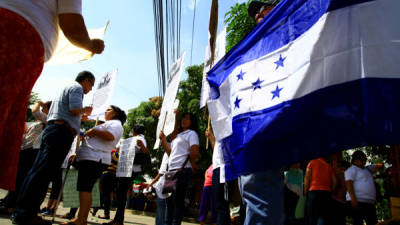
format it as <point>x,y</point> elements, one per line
<point>194,17</point>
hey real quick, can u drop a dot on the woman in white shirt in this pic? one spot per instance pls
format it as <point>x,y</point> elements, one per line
<point>94,157</point>
<point>125,182</point>
<point>183,153</point>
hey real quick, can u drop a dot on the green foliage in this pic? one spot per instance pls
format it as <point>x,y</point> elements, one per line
<point>239,23</point>
<point>33,98</point>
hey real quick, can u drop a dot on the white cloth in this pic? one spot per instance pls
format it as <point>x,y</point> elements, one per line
<point>72,151</point>
<point>218,157</point>
<point>39,115</point>
<point>43,16</point>
<point>363,183</point>
<point>218,160</point>
<point>96,149</point>
<point>164,163</point>
<point>180,149</point>
<point>158,186</point>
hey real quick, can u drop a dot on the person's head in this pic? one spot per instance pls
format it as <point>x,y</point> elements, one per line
<point>86,79</point>
<point>46,107</point>
<point>258,10</point>
<point>188,121</point>
<point>138,129</point>
<point>358,158</point>
<point>115,113</point>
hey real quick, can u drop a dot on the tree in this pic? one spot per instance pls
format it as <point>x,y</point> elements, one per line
<point>239,23</point>
<point>33,98</point>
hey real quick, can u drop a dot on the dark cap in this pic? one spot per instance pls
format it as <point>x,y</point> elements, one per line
<point>255,6</point>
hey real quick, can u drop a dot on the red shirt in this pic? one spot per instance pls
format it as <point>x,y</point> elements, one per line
<point>209,173</point>
<point>321,175</point>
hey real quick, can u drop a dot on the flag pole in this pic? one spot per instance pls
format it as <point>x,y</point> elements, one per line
<point>212,29</point>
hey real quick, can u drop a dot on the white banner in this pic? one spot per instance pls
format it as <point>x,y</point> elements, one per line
<point>166,122</point>
<point>103,93</point>
<point>219,53</point>
<point>126,157</point>
<point>67,53</point>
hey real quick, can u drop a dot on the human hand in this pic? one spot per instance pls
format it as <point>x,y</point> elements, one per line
<point>72,158</point>
<point>96,46</point>
<point>162,135</point>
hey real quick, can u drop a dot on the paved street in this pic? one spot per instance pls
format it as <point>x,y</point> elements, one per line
<point>131,216</point>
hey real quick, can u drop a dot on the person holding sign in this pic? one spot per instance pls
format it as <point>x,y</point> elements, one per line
<point>183,153</point>
<point>127,169</point>
<point>94,156</point>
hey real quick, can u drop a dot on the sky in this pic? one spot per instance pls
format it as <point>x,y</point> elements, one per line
<point>130,48</point>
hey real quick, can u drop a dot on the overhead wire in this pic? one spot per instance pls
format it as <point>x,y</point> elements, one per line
<point>194,17</point>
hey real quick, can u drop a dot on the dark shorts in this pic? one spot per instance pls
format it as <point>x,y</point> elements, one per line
<point>89,172</point>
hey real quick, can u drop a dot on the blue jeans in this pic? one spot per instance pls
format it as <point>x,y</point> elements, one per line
<point>175,203</point>
<point>262,195</point>
<point>161,211</point>
<point>55,144</point>
<point>221,205</point>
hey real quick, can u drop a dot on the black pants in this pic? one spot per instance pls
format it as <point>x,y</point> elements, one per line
<point>318,207</point>
<point>55,144</point>
<point>365,212</point>
<point>123,186</point>
<point>108,182</point>
<point>221,205</point>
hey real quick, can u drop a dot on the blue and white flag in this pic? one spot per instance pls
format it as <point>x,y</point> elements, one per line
<point>313,78</point>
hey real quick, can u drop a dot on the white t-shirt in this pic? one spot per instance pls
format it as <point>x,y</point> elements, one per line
<point>96,149</point>
<point>363,183</point>
<point>180,149</point>
<point>43,16</point>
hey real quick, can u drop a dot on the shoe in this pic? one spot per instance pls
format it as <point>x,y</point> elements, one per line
<point>36,220</point>
<point>42,210</point>
<point>106,217</point>
<point>49,212</point>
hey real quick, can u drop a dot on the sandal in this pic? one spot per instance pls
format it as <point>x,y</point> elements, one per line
<point>106,217</point>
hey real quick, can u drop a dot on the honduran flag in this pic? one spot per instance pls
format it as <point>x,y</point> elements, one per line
<point>313,78</point>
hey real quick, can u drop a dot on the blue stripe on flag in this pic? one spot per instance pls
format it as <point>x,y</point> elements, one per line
<point>286,22</point>
<point>365,112</point>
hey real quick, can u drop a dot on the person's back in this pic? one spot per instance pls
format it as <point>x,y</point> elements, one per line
<point>321,175</point>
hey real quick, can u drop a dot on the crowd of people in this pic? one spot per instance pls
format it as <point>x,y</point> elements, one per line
<point>321,195</point>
